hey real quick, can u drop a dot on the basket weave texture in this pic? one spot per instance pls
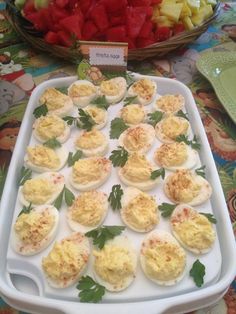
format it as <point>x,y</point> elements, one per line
<point>34,38</point>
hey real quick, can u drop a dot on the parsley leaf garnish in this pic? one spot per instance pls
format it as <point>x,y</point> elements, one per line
<point>166,209</point>
<point>157,173</point>
<point>40,111</point>
<point>67,194</point>
<point>102,234</point>
<point>73,158</point>
<point>118,126</point>
<point>201,171</point>
<point>26,209</point>
<point>155,117</point>
<point>119,157</point>
<point>181,114</point>
<point>129,100</point>
<point>52,143</point>
<point>25,174</point>
<point>91,291</point>
<point>210,217</point>
<point>198,272</point>
<point>100,102</point>
<point>194,143</point>
<point>70,120</point>
<point>115,197</point>
<point>85,121</point>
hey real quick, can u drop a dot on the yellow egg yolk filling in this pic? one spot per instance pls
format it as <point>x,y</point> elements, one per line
<point>133,114</point>
<point>37,191</point>
<point>91,139</point>
<point>53,99</point>
<point>136,138</point>
<point>170,103</point>
<point>144,88</point>
<point>82,90</point>
<point>174,126</point>
<point>173,154</point>
<point>43,156</point>
<point>109,88</point>
<point>97,114</point>
<point>50,126</point>
<point>137,168</point>
<point>88,170</point>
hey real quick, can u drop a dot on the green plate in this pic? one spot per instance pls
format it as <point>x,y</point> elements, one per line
<point>220,69</point>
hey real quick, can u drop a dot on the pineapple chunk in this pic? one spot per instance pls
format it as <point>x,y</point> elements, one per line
<point>172,11</point>
<point>185,10</point>
<point>164,21</point>
<point>194,5</point>
<point>203,13</point>
<point>187,23</point>
<point>212,2</point>
<point>208,11</point>
<point>167,2</point>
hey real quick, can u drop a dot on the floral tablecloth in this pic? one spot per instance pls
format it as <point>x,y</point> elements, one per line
<point>21,69</point>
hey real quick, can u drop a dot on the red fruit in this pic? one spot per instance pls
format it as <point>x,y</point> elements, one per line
<point>135,18</point>
<point>144,42</point>
<point>163,33</point>
<point>117,33</point>
<point>51,38</point>
<point>64,38</point>
<point>72,24</point>
<point>61,3</point>
<point>89,30</point>
<point>178,28</point>
<point>99,16</point>
<point>146,29</point>
<point>139,3</point>
<point>29,7</point>
<point>114,6</point>
<point>117,20</point>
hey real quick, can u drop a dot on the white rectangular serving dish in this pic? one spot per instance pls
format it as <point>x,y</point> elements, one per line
<point>142,295</point>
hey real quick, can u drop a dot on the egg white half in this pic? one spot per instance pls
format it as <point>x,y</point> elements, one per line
<point>138,112</point>
<point>162,137</point>
<point>183,213</point>
<point>140,99</point>
<point>177,102</point>
<point>203,195</point>
<point>83,246</point>
<point>94,184</point>
<point>33,248</point>
<point>97,151</point>
<point>155,239</point>
<point>134,130</point>
<point>61,152</point>
<point>76,226</point>
<point>122,85</point>
<point>91,110</point>
<point>55,179</point>
<point>130,193</point>
<point>123,242</point>
<point>189,163</point>
<point>62,138</point>
<point>82,101</point>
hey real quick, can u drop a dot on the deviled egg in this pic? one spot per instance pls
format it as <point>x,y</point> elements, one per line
<point>82,92</point>
<point>169,104</point>
<point>184,186</point>
<point>92,143</point>
<point>34,231</point>
<point>145,90</point>
<point>137,172</point>
<point>175,156</point>
<point>115,264</point>
<point>49,127</point>
<point>41,158</point>
<point>137,138</point>
<point>162,259</point>
<point>57,103</point>
<point>99,116</point>
<point>133,114</point>
<point>67,261</point>
<point>171,127</point>
<point>43,189</point>
<point>90,173</point>
<point>88,211</point>
<point>139,210</point>
<point>192,229</point>
<point>113,90</point>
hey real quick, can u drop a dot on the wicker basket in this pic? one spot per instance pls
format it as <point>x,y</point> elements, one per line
<point>34,38</point>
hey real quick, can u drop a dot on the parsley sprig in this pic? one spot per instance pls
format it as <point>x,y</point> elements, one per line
<point>100,102</point>
<point>70,120</point>
<point>118,126</point>
<point>119,157</point>
<point>198,272</point>
<point>129,100</point>
<point>73,158</point>
<point>26,209</point>
<point>155,117</point>
<point>52,143</point>
<point>102,234</point>
<point>166,209</point>
<point>115,197</point>
<point>181,114</point>
<point>85,121</point>
<point>25,174</point>
<point>158,173</point>
<point>210,217</point>
<point>67,195</point>
<point>40,111</point>
<point>90,290</point>
<point>201,171</point>
<point>194,143</point>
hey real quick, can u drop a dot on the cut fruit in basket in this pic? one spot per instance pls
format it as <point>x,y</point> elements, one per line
<point>140,23</point>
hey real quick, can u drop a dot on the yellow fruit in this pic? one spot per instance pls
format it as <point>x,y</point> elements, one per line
<point>185,10</point>
<point>194,5</point>
<point>187,23</point>
<point>164,21</point>
<point>172,11</point>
